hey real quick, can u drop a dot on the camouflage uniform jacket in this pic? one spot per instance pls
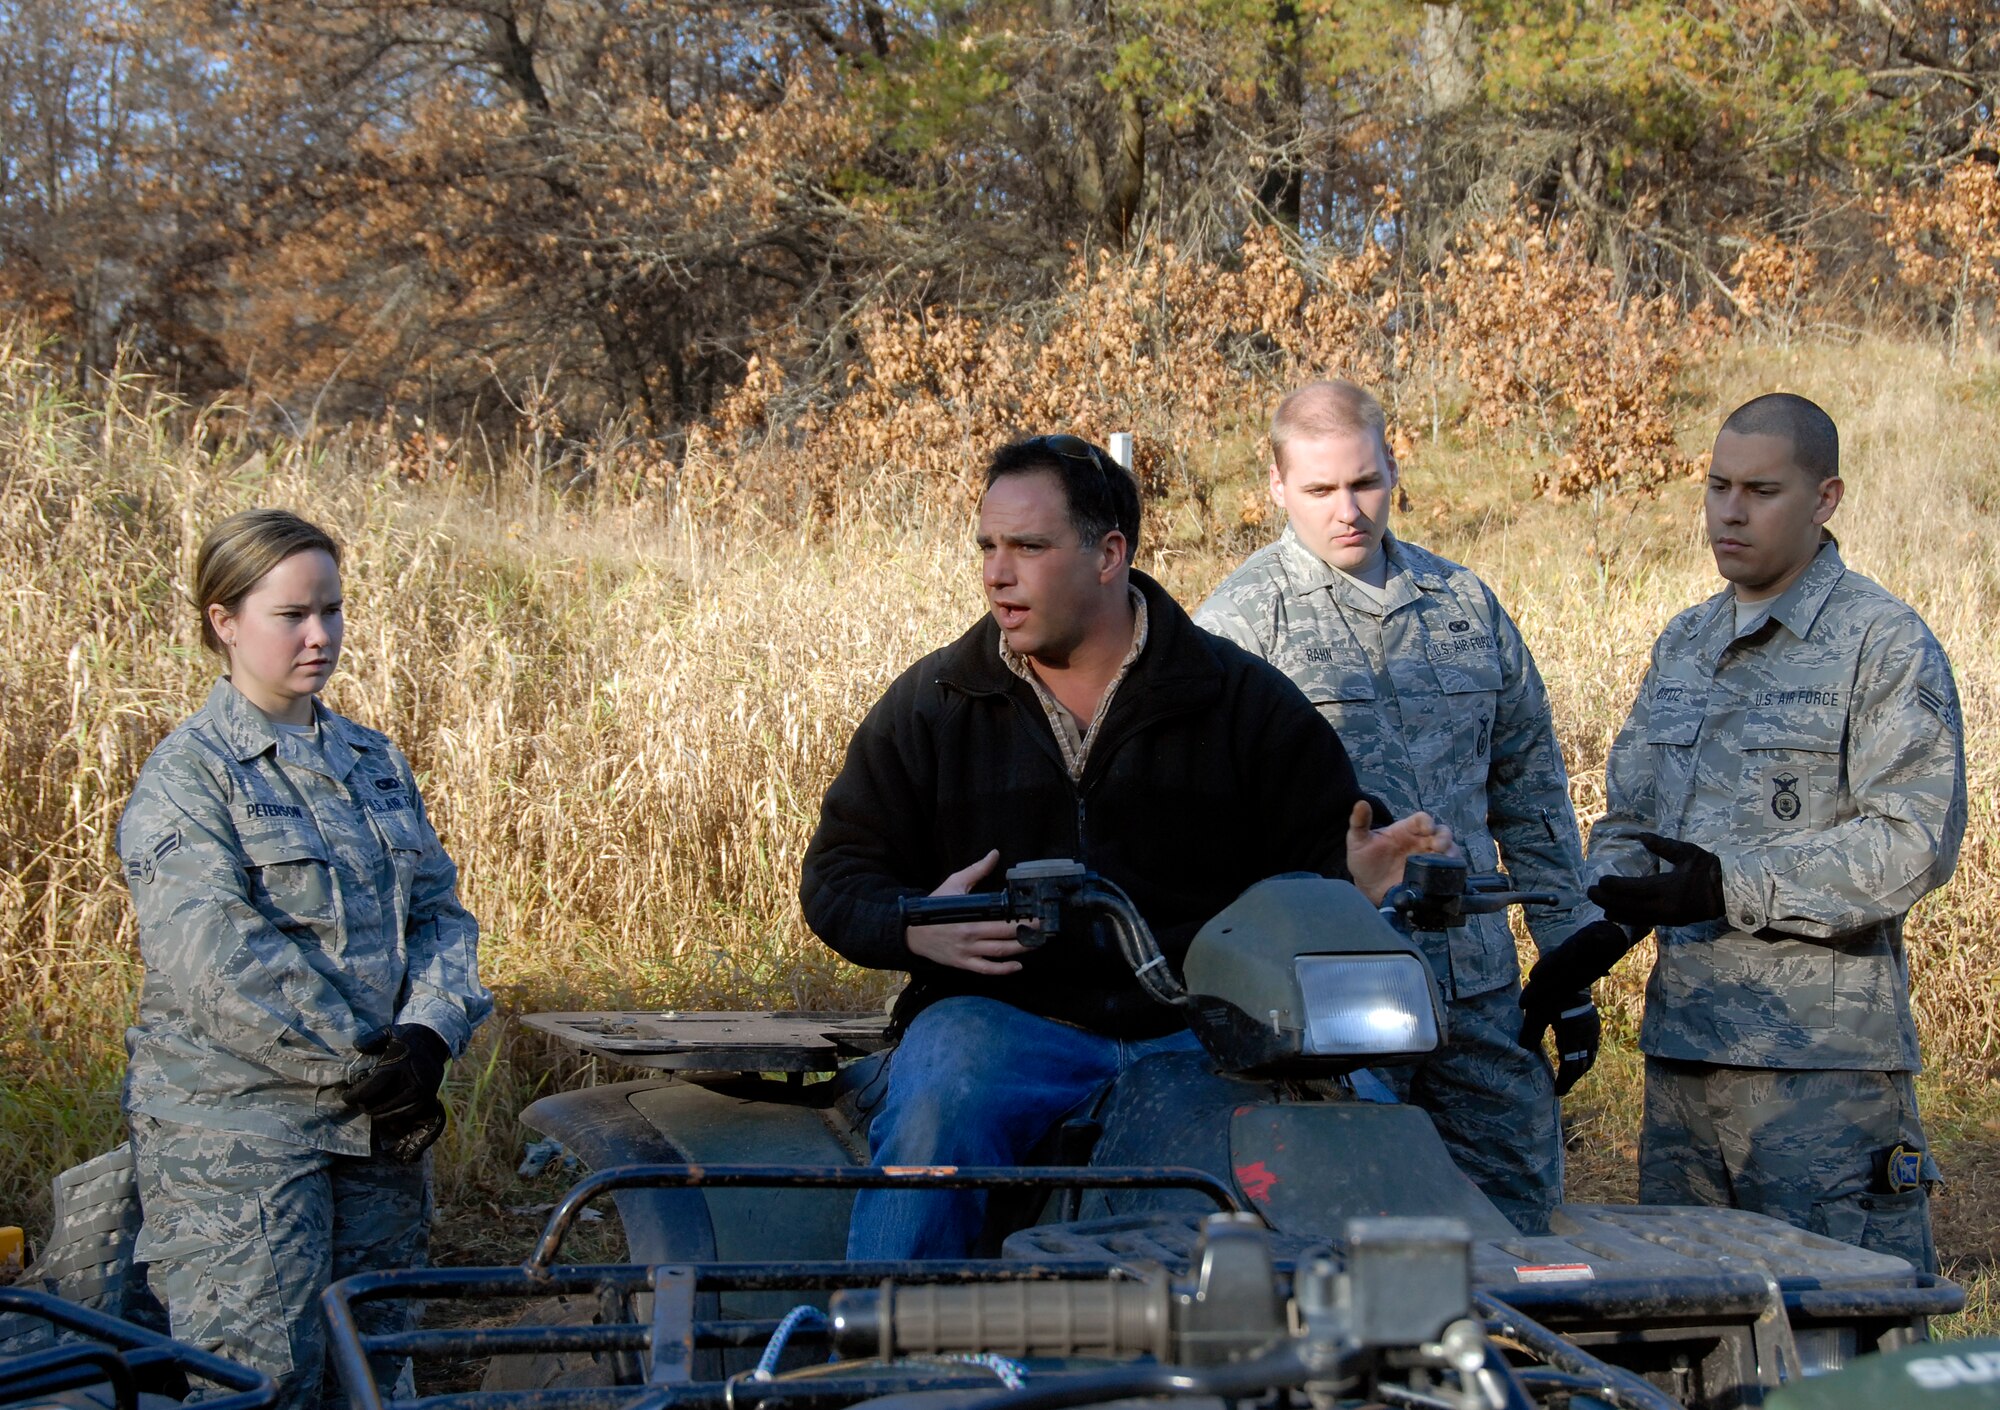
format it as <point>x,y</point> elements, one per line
<point>285,915</point>
<point>1820,757</point>
<point>1441,709</point>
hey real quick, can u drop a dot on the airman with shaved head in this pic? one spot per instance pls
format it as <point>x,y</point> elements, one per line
<point>1790,781</point>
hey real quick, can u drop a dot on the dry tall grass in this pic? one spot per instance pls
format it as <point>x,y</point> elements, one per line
<point>624,718</point>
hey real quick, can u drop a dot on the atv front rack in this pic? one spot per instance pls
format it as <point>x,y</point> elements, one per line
<point>101,1350</point>
<point>667,1339</point>
<point>793,1042</point>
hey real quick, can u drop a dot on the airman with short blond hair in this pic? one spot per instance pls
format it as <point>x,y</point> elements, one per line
<point>1432,689</point>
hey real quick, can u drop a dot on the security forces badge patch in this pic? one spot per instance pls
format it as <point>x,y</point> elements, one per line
<point>1785,803</point>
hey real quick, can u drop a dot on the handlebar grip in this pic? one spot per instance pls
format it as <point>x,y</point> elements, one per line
<point>955,910</point>
<point>1064,1318</point>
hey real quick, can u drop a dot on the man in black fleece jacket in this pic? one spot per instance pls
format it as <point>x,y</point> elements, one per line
<point>1086,717</point>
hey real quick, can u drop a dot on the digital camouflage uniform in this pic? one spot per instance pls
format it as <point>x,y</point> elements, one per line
<point>1442,710</point>
<point>1819,757</point>
<point>292,901</point>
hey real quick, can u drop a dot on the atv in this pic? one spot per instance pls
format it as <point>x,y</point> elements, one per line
<point>733,1176</point>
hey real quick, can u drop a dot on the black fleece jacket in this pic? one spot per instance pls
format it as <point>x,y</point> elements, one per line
<point>1210,772</point>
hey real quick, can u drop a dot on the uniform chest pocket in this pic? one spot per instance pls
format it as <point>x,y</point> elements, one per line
<point>404,841</point>
<point>399,830</point>
<point>1341,687</point>
<point>1673,735</point>
<point>1791,774</point>
<point>1674,712</point>
<point>1476,673</point>
<point>290,878</point>
<point>1331,677</point>
<point>1458,720</point>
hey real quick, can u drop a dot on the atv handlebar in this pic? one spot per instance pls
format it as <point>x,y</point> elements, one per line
<point>1036,891</point>
<point>1039,892</point>
<point>1436,893</point>
<point>1399,1299</point>
<point>1439,893</point>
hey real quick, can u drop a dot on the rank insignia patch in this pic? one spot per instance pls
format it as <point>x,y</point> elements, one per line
<point>143,867</point>
<point>1938,705</point>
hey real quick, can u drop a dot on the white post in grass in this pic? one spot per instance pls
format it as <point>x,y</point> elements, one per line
<point>1121,448</point>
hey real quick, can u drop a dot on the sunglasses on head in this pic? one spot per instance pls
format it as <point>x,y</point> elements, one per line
<point>1072,448</point>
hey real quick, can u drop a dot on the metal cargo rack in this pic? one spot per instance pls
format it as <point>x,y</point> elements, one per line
<point>85,1349</point>
<point>1701,1300</point>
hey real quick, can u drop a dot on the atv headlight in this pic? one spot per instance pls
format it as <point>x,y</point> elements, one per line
<point>1367,1005</point>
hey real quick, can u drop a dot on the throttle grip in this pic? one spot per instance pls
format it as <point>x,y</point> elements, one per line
<point>955,910</point>
<point>1061,1318</point>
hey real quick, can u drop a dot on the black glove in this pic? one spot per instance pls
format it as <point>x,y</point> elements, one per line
<point>1578,1033</point>
<point>1569,970</point>
<point>1687,895</point>
<point>405,1083</point>
<point>402,1139</point>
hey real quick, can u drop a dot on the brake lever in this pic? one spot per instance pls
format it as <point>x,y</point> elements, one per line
<point>1479,903</point>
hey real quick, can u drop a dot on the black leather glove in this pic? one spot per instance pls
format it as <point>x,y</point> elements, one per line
<point>1578,1033</point>
<point>405,1082</point>
<point>403,1139</point>
<point>1569,970</point>
<point>1687,895</point>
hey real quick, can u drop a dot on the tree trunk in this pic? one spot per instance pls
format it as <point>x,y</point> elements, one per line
<point>1448,52</point>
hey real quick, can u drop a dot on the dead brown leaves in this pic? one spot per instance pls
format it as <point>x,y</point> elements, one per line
<point>1542,341</point>
<point>1946,236</point>
<point>1518,328</point>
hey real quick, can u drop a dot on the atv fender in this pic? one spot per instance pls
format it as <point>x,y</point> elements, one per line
<point>746,1122</point>
<point>742,1122</point>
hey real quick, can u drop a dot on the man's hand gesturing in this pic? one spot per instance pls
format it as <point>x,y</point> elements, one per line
<point>1375,855</point>
<point>983,946</point>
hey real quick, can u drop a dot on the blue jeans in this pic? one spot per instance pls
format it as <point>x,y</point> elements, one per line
<point>976,1082</point>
